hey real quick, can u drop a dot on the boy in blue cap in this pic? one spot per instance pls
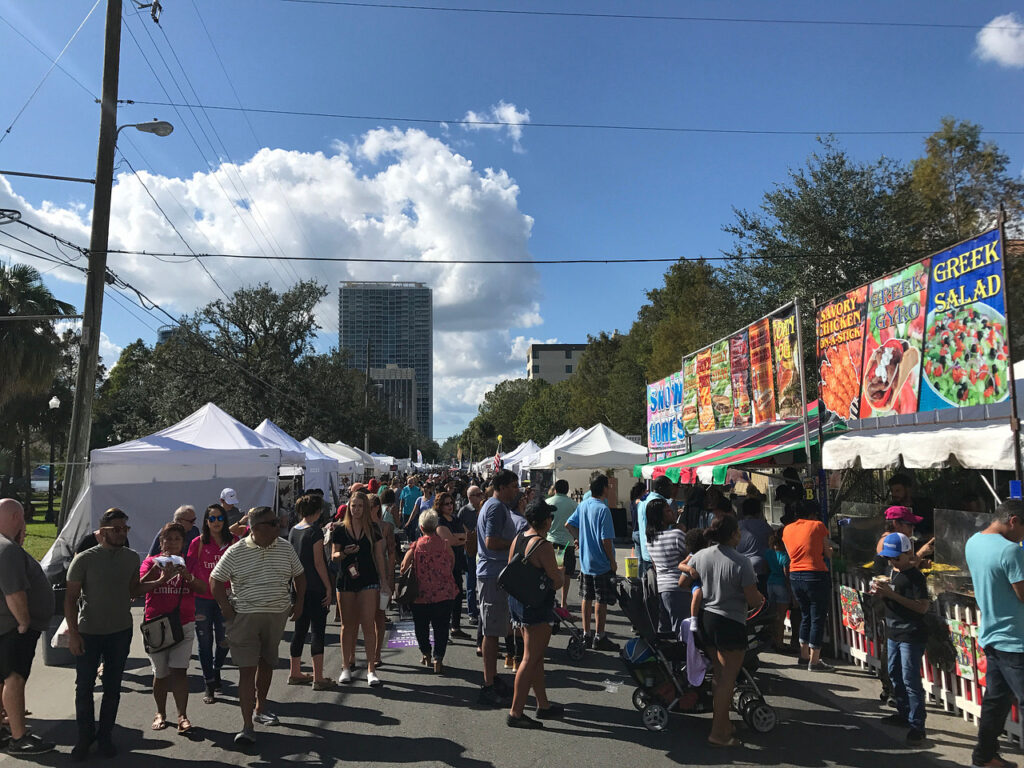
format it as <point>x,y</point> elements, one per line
<point>906,601</point>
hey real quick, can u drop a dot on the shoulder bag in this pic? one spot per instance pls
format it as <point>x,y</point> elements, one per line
<point>523,581</point>
<point>161,633</point>
<point>407,588</point>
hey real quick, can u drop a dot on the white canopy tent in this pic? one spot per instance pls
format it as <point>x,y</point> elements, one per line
<point>187,463</point>
<point>365,459</point>
<point>514,460</point>
<point>546,454</point>
<point>596,448</point>
<point>320,470</point>
<point>346,464</point>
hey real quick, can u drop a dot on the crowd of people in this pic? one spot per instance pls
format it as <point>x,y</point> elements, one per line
<point>231,582</point>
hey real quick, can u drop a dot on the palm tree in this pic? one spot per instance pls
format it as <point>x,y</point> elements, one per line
<point>30,349</point>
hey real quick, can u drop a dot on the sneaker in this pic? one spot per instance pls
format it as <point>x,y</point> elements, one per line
<point>346,676</point>
<point>522,722</point>
<point>604,643</point>
<point>373,681</point>
<point>895,719</point>
<point>489,697</point>
<point>29,744</point>
<point>821,666</point>
<point>552,712</point>
<point>996,762</point>
<point>266,718</point>
<point>245,737</point>
<point>915,737</point>
<point>458,634</point>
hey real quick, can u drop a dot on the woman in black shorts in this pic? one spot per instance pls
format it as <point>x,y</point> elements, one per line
<point>358,549</point>
<point>535,621</point>
<point>729,588</point>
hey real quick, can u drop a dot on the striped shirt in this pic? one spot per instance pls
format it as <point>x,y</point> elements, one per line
<point>667,551</point>
<point>260,576</point>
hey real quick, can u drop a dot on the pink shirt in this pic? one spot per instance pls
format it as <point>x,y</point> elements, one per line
<point>176,593</point>
<point>202,557</point>
<point>433,560</point>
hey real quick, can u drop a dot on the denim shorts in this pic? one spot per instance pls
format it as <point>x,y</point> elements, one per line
<point>779,594</point>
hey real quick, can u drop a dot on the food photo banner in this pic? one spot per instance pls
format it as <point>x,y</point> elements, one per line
<point>929,336</point>
<point>744,380</point>
<point>665,430</point>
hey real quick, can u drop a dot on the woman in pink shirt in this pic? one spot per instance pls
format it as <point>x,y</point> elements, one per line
<point>433,559</point>
<point>175,594</point>
<point>203,553</point>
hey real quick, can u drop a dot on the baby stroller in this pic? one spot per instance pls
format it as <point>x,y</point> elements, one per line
<point>657,662</point>
<point>562,619</point>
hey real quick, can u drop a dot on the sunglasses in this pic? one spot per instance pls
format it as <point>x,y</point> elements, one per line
<point>215,519</point>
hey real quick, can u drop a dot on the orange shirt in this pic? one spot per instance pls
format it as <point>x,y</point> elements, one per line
<point>805,542</point>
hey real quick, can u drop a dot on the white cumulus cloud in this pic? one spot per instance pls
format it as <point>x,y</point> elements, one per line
<point>1002,41</point>
<point>500,117</point>
<point>391,194</point>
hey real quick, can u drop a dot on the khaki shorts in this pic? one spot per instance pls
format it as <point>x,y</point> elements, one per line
<point>492,602</point>
<point>255,636</point>
<point>175,657</point>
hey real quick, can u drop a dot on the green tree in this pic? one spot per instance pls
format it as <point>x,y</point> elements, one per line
<point>609,384</point>
<point>546,415</point>
<point>502,405</point>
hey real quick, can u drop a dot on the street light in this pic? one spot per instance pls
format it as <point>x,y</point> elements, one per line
<point>158,127</point>
<point>54,405</point>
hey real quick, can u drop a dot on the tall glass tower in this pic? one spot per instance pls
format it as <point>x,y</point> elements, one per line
<point>397,321</point>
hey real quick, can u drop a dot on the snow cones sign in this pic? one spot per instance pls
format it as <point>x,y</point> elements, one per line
<point>930,336</point>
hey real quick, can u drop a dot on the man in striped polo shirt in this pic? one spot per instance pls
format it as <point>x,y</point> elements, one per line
<point>261,568</point>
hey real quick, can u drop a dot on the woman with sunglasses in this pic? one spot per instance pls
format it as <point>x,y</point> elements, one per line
<point>203,553</point>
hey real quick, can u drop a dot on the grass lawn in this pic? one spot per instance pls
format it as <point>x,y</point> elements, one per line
<point>39,536</point>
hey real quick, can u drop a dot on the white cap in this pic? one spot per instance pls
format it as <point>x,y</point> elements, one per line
<point>229,496</point>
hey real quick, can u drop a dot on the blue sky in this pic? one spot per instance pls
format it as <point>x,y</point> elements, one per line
<point>424,190</point>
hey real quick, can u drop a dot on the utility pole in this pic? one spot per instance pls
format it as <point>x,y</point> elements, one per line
<point>366,402</point>
<point>85,381</point>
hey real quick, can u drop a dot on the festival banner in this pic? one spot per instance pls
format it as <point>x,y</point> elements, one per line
<point>705,407</point>
<point>665,414</point>
<point>721,384</point>
<point>893,342</point>
<point>690,420</point>
<point>739,367</point>
<point>840,351</point>
<point>787,358</point>
<point>761,379</point>
<point>966,348</point>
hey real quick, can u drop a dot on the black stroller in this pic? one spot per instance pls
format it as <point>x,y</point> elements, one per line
<point>657,663</point>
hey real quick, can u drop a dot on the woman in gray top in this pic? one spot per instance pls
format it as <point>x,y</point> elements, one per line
<point>729,588</point>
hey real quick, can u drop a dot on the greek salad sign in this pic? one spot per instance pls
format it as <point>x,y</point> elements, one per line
<point>928,337</point>
<point>665,430</point>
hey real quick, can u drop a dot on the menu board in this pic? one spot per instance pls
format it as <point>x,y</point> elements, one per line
<point>762,381</point>
<point>665,414</point>
<point>966,349</point>
<point>787,357</point>
<point>721,384</point>
<point>840,349</point>
<point>690,421</point>
<point>893,342</point>
<point>705,407</point>
<point>739,367</point>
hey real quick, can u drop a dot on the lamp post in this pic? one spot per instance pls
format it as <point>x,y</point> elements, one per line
<point>54,405</point>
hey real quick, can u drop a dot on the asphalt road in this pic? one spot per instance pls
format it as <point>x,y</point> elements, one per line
<point>419,719</point>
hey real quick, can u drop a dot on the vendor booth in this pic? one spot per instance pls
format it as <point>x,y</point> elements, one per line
<point>318,471</point>
<point>190,462</point>
<point>348,467</point>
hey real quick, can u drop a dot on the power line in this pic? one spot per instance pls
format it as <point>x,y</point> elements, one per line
<point>532,124</point>
<point>49,58</point>
<point>649,17</point>
<point>63,50</point>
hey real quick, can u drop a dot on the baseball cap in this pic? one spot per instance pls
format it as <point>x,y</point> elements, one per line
<point>229,495</point>
<point>373,485</point>
<point>895,544</point>
<point>906,514</point>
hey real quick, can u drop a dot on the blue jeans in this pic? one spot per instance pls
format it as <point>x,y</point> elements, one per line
<point>813,591</point>
<point>210,628</point>
<point>1004,680</point>
<point>471,608</point>
<point>112,651</point>
<point>905,673</point>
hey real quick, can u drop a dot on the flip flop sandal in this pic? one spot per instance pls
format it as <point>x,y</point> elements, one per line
<point>300,680</point>
<point>184,726</point>
<point>733,742</point>
<point>159,723</point>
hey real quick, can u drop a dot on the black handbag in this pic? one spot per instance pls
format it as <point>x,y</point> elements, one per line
<point>163,632</point>
<point>523,581</point>
<point>407,588</point>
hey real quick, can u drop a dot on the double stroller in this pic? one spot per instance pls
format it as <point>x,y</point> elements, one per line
<point>657,662</point>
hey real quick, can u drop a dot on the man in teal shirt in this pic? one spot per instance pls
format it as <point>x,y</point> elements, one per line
<point>591,526</point>
<point>407,498</point>
<point>560,537</point>
<point>996,562</point>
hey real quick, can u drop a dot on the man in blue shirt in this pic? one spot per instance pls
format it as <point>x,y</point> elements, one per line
<point>407,498</point>
<point>996,562</point>
<point>664,489</point>
<point>495,531</point>
<point>591,526</point>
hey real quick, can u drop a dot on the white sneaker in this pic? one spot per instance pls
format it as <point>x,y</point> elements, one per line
<point>373,681</point>
<point>346,676</point>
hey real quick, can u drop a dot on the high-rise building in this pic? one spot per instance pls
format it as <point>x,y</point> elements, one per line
<point>396,388</point>
<point>397,321</point>
<point>553,362</point>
